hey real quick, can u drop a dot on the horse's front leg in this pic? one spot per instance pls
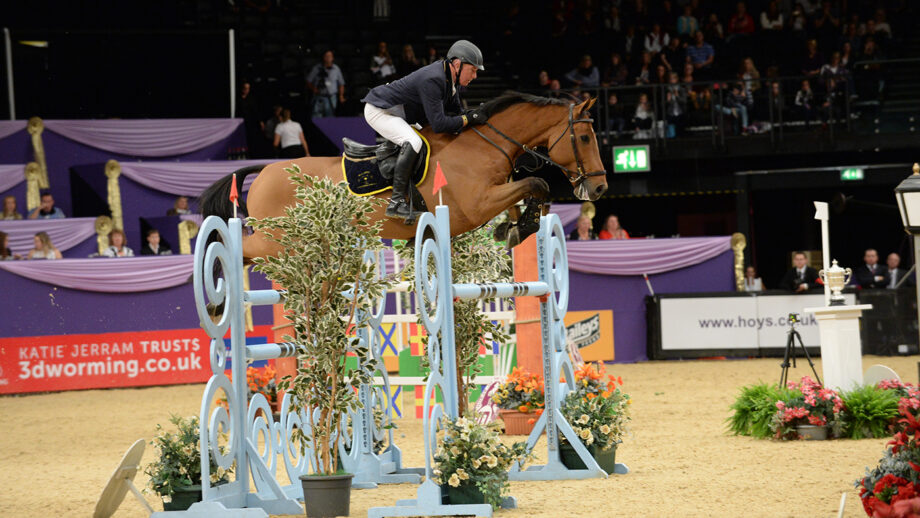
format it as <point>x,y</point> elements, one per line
<point>505,196</point>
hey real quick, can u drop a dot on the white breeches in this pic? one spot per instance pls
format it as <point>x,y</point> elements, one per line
<point>390,125</point>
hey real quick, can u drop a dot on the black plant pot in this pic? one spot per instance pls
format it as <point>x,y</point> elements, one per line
<point>326,496</point>
<point>183,498</point>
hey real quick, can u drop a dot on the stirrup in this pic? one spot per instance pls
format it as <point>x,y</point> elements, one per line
<point>398,209</point>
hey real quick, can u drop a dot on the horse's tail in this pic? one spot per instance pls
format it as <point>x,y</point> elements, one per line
<point>215,200</point>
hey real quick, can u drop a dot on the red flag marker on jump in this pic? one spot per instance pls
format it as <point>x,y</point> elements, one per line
<point>439,181</point>
<point>234,195</point>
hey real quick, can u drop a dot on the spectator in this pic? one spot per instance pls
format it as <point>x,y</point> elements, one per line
<point>644,71</point>
<point>740,24</point>
<point>408,63</point>
<point>5,253</point>
<point>813,61</point>
<point>656,40</point>
<point>750,76</point>
<point>801,277</point>
<point>616,114</point>
<point>851,36</point>
<point>613,23</point>
<point>612,229</point>
<point>772,19</point>
<point>701,56</point>
<point>687,24</point>
<point>616,73</point>
<point>827,25</point>
<point>9,209</point>
<point>675,106</point>
<point>895,274</point>
<point>432,55</point>
<point>736,106</point>
<point>871,275</point>
<point>327,84</point>
<point>543,80</point>
<point>804,102</point>
<point>881,24</point>
<point>798,20</point>
<point>117,245</point>
<point>555,88</point>
<point>631,44</point>
<point>700,94</point>
<point>43,248</point>
<point>381,64</point>
<point>661,75</point>
<point>272,122</point>
<point>846,56</point>
<point>46,209</point>
<point>585,75</point>
<point>833,99</point>
<point>713,29</point>
<point>643,119</point>
<point>751,281</point>
<point>869,83</point>
<point>153,245</point>
<point>289,138</point>
<point>583,230</point>
<point>673,56</point>
<point>778,100</point>
<point>248,110</point>
<point>180,207</point>
<point>833,69</point>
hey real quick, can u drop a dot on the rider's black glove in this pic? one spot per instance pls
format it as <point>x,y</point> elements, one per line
<point>476,116</point>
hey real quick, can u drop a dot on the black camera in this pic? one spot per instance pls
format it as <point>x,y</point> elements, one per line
<point>793,318</point>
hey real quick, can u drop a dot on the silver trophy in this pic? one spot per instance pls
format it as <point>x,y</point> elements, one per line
<point>836,278</point>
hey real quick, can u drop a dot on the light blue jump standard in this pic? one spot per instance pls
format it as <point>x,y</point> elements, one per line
<point>435,293</point>
<point>254,468</point>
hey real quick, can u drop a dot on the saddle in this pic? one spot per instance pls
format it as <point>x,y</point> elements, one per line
<point>368,170</point>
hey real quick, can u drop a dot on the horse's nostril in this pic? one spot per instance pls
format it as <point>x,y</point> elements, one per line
<point>601,189</point>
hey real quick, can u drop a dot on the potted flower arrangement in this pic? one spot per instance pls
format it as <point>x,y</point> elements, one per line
<point>519,399</point>
<point>472,463</point>
<point>810,413</point>
<point>599,413</point>
<point>892,489</point>
<point>263,382</point>
<point>175,474</point>
<point>329,286</point>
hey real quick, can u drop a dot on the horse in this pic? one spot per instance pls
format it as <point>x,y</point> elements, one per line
<point>475,164</point>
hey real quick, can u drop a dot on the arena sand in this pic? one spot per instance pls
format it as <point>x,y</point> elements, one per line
<point>58,450</point>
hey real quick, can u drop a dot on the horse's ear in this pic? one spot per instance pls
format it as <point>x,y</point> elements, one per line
<point>585,106</point>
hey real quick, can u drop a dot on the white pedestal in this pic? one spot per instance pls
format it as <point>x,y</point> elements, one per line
<point>841,351</point>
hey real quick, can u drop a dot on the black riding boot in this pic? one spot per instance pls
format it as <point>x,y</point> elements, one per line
<point>399,204</point>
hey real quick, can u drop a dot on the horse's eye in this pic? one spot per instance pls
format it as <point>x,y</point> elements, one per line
<point>585,139</point>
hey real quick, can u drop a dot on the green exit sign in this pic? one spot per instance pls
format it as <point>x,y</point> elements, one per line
<point>631,159</point>
<point>853,173</point>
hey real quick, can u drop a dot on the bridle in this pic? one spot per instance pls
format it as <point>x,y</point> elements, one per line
<point>576,177</point>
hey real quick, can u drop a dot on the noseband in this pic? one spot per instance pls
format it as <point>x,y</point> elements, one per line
<point>576,177</point>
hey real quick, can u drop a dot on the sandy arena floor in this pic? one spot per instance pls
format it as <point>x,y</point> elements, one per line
<point>58,450</point>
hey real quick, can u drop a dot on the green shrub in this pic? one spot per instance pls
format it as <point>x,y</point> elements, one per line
<point>869,411</point>
<point>755,407</point>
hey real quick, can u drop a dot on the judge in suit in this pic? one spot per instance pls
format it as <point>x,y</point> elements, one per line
<point>801,277</point>
<point>871,275</point>
<point>895,273</point>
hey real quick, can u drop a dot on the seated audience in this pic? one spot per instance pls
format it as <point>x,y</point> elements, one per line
<point>895,274</point>
<point>701,55</point>
<point>585,75</point>
<point>687,24</point>
<point>43,248</point>
<point>154,246</point>
<point>736,105</point>
<point>871,275</point>
<point>270,125</point>
<point>583,230</point>
<point>616,114</point>
<point>289,137</point>
<point>382,64</point>
<point>408,63</point>
<point>751,281</point>
<point>180,207</point>
<point>741,23</point>
<point>801,277</point>
<point>675,106</point>
<point>118,247</point>
<point>656,40</point>
<point>643,118</point>
<point>804,102</point>
<point>5,253</point>
<point>9,209</point>
<point>612,229</point>
<point>46,209</point>
<point>617,73</point>
<point>673,57</point>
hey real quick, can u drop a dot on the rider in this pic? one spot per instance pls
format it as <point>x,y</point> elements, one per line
<point>428,95</point>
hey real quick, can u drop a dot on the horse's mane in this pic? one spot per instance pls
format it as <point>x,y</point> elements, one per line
<point>510,98</point>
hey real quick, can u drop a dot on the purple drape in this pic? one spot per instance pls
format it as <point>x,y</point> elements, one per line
<point>11,175</point>
<point>185,178</point>
<point>146,137</point>
<point>568,213</point>
<point>109,275</point>
<point>638,256</point>
<point>355,128</point>
<point>7,128</point>
<point>64,233</point>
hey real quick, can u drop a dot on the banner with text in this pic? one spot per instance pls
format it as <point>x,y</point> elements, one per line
<point>109,360</point>
<point>719,323</point>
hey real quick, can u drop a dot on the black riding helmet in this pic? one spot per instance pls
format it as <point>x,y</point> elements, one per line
<point>466,52</point>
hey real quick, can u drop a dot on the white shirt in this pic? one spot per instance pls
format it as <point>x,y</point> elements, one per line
<point>290,133</point>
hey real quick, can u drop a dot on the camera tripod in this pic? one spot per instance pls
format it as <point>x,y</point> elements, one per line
<point>790,352</point>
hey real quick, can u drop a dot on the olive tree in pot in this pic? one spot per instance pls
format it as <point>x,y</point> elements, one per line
<point>323,238</point>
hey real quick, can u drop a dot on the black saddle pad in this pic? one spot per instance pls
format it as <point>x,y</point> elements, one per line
<point>363,174</point>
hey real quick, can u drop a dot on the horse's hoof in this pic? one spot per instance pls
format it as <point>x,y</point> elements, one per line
<point>514,238</point>
<point>500,233</point>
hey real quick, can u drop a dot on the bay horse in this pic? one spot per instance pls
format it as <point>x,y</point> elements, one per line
<point>477,164</point>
